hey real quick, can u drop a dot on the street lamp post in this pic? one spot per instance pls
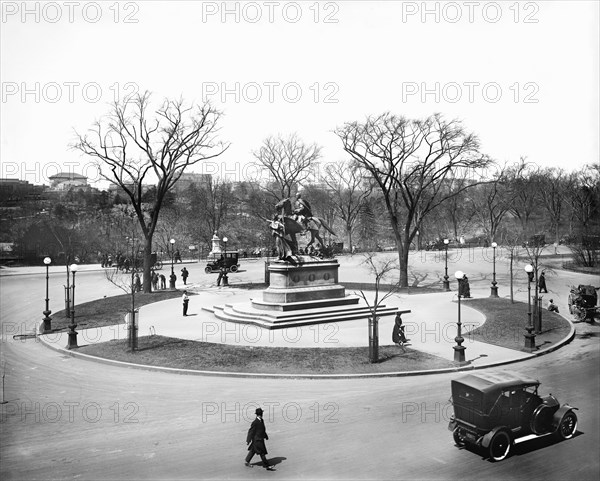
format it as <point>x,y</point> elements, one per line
<point>494,288</point>
<point>172,241</point>
<point>67,291</point>
<point>530,335</point>
<point>459,349</point>
<point>446,281</point>
<point>46,326</point>
<point>225,244</point>
<point>72,340</point>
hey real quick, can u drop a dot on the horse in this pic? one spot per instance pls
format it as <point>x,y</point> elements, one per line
<point>295,224</point>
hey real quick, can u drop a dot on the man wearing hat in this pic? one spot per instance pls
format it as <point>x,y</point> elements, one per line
<point>256,441</point>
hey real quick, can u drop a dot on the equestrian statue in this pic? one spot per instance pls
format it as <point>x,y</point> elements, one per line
<point>295,219</point>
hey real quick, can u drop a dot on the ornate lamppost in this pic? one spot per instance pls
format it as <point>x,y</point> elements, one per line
<point>225,244</point>
<point>172,241</point>
<point>459,349</point>
<point>46,326</point>
<point>446,281</point>
<point>72,341</point>
<point>494,288</point>
<point>530,335</point>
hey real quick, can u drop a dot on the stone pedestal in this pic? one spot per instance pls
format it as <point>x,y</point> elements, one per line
<point>310,280</point>
<point>216,245</point>
<point>299,294</point>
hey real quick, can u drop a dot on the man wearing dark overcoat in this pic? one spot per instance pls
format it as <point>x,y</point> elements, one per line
<point>256,441</point>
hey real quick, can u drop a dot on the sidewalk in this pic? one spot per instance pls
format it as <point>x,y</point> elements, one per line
<point>431,327</point>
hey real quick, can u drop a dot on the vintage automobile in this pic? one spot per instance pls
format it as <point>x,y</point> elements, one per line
<point>230,258</point>
<point>495,411</point>
<point>583,302</point>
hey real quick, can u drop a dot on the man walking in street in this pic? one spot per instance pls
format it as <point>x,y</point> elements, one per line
<point>256,441</point>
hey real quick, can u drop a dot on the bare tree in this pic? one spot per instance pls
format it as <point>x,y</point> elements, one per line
<point>289,162</point>
<point>512,244</point>
<point>554,187</point>
<point>381,269</point>
<point>411,161</point>
<point>521,180</point>
<point>491,202</point>
<point>209,208</point>
<point>126,280</point>
<point>584,196</point>
<point>136,148</point>
<point>349,189</point>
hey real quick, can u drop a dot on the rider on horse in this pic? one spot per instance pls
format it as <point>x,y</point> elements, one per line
<point>302,208</point>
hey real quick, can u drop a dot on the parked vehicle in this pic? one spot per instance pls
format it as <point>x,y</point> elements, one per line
<point>583,301</point>
<point>538,240</point>
<point>230,258</point>
<point>495,411</point>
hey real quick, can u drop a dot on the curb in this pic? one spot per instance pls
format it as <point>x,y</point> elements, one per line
<point>566,340</point>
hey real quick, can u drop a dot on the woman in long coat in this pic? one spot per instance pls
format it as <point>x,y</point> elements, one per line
<point>398,336</point>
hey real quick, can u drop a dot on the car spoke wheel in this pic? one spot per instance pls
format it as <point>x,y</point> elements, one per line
<point>568,425</point>
<point>233,268</point>
<point>459,437</point>
<point>208,270</point>
<point>500,446</point>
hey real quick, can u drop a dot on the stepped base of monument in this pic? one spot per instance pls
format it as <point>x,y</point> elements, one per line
<point>302,293</point>
<point>296,314</point>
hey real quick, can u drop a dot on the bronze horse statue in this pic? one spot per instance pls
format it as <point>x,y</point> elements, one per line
<point>296,223</point>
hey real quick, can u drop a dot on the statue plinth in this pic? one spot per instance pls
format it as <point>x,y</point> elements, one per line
<point>308,280</point>
<point>302,293</point>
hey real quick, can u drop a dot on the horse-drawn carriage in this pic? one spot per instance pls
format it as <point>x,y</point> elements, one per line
<point>583,301</point>
<point>124,263</point>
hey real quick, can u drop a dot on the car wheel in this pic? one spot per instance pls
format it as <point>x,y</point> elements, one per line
<point>233,268</point>
<point>500,446</point>
<point>208,270</point>
<point>459,437</point>
<point>567,426</point>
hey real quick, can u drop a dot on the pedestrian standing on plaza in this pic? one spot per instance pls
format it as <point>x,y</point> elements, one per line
<point>256,441</point>
<point>137,283</point>
<point>186,301</point>
<point>163,281</point>
<point>464,286</point>
<point>154,281</point>
<point>542,282</point>
<point>222,274</point>
<point>184,275</point>
<point>172,280</point>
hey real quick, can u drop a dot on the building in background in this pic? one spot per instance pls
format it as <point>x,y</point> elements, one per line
<point>66,180</point>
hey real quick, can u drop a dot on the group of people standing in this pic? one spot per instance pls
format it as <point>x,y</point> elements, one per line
<point>159,281</point>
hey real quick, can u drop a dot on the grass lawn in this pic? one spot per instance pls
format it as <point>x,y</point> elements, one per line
<point>184,354</point>
<point>108,311</point>
<point>504,327</point>
<point>506,322</point>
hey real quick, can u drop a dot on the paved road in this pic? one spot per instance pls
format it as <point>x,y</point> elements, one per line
<point>68,418</point>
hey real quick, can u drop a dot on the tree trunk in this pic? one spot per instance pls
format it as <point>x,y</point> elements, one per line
<point>147,281</point>
<point>403,258</point>
<point>349,238</point>
<point>512,297</point>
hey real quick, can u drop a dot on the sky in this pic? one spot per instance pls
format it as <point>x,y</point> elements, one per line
<point>523,76</point>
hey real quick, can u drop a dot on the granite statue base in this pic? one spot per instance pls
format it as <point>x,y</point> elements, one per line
<point>303,293</point>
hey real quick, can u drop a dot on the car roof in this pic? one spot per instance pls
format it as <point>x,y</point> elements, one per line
<point>489,382</point>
